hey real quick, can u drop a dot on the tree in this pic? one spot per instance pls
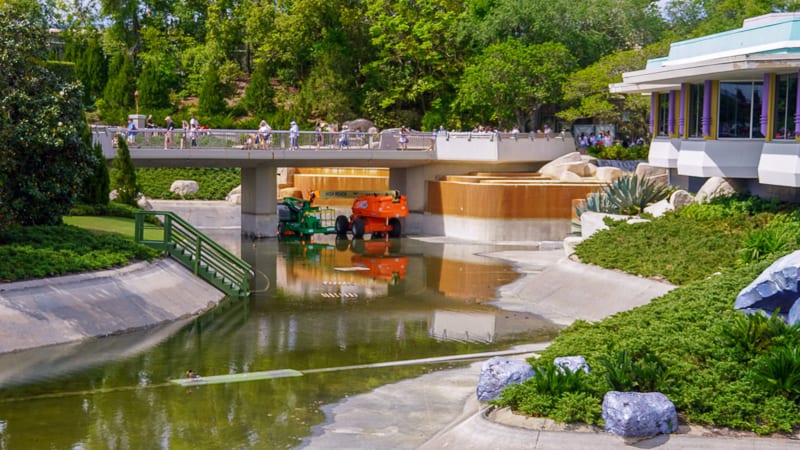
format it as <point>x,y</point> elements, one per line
<point>589,29</point>
<point>510,82</point>
<point>212,93</point>
<point>42,154</point>
<point>91,66</point>
<point>118,97</point>
<point>124,174</point>
<point>417,58</point>
<point>259,94</point>
<point>588,92</point>
<point>95,187</point>
<point>158,75</point>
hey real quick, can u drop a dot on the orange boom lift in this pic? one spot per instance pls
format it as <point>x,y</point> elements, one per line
<point>377,213</point>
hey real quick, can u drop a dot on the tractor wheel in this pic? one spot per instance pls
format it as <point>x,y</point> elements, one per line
<point>341,226</point>
<point>359,228</point>
<point>281,230</point>
<point>394,223</point>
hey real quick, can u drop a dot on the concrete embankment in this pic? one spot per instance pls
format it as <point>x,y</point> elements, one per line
<point>64,309</point>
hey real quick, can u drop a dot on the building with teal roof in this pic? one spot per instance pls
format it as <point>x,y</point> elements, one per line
<point>727,105</point>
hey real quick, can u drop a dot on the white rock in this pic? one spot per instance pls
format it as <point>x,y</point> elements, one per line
<point>183,187</point>
<point>235,195</point>
<point>608,173</point>
<point>714,187</point>
<point>658,209</point>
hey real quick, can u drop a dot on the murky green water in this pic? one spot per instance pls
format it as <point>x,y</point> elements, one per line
<point>316,306</point>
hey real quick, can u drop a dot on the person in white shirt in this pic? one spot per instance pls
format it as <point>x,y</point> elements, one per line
<point>294,135</point>
<point>264,134</point>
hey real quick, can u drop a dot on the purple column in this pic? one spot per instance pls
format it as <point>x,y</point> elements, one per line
<point>707,108</point>
<point>797,114</point>
<point>671,114</point>
<point>653,113</point>
<point>765,104</point>
<point>681,113</point>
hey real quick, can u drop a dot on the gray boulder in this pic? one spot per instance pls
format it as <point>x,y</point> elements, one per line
<point>572,363</point>
<point>655,174</point>
<point>680,198</point>
<point>183,187</point>
<point>638,414</point>
<point>776,288</point>
<point>499,372</point>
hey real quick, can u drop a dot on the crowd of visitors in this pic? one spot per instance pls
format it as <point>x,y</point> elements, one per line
<point>328,135</point>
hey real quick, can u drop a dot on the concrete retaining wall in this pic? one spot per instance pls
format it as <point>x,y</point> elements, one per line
<point>76,307</point>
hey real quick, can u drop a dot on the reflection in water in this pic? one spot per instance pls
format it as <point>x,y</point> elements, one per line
<point>315,305</point>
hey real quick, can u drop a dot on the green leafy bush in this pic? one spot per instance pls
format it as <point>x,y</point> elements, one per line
<point>553,392</point>
<point>778,372</point>
<point>578,407</point>
<point>683,246</point>
<point>215,183</point>
<point>617,151</point>
<point>626,374</point>
<point>753,334</point>
<point>778,237</point>
<point>45,251</point>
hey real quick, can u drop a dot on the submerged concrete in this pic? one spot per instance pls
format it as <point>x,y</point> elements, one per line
<point>71,308</point>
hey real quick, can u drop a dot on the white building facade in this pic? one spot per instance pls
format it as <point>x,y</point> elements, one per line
<point>727,105</point>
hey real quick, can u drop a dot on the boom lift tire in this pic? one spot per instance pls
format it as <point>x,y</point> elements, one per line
<point>358,228</point>
<point>395,230</point>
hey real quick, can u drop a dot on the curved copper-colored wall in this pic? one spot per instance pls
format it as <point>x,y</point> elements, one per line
<point>531,199</point>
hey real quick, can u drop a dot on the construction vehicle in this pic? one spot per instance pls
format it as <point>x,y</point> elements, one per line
<point>375,213</point>
<point>297,217</point>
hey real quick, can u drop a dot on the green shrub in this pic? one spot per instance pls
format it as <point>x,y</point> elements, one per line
<point>753,334</point>
<point>215,184</point>
<point>778,372</point>
<point>541,394</point>
<point>618,152</point>
<point>45,251</point>
<point>578,407</point>
<point>623,373</point>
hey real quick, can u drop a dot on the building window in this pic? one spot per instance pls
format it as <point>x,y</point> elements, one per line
<point>695,123</point>
<point>785,106</point>
<point>663,114</point>
<point>740,110</point>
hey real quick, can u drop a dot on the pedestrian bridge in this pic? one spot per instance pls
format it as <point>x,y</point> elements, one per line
<point>425,157</point>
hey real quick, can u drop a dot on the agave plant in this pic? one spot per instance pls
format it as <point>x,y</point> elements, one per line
<point>626,195</point>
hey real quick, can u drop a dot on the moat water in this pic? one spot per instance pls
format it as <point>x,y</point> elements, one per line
<point>315,305</point>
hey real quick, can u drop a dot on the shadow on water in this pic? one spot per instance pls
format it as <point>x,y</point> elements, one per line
<point>315,305</point>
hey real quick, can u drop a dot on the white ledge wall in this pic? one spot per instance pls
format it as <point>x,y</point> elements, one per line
<point>727,159</point>
<point>780,164</point>
<point>664,153</point>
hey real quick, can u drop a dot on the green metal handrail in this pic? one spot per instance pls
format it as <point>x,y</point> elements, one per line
<point>204,257</point>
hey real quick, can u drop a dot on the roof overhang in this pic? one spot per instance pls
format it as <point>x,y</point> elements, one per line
<point>733,68</point>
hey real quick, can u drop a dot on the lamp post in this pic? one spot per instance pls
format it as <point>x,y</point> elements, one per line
<point>136,99</point>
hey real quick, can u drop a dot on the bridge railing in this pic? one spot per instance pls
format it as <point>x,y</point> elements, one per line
<point>251,140</point>
<point>204,257</point>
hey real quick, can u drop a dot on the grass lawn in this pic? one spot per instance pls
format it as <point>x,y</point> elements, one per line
<point>108,224</point>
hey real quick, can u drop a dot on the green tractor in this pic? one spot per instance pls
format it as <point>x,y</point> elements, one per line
<point>297,217</point>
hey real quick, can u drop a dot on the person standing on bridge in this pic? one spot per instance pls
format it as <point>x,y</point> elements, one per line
<point>264,134</point>
<point>168,134</point>
<point>294,135</point>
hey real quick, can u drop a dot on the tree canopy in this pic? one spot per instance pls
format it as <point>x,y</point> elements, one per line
<point>43,155</point>
<point>417,63</point>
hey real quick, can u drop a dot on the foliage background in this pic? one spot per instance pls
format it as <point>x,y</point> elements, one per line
<point>420,64</point>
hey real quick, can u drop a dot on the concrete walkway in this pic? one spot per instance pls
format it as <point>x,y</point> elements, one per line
<point>71,308</point>
<point>440,410</point>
